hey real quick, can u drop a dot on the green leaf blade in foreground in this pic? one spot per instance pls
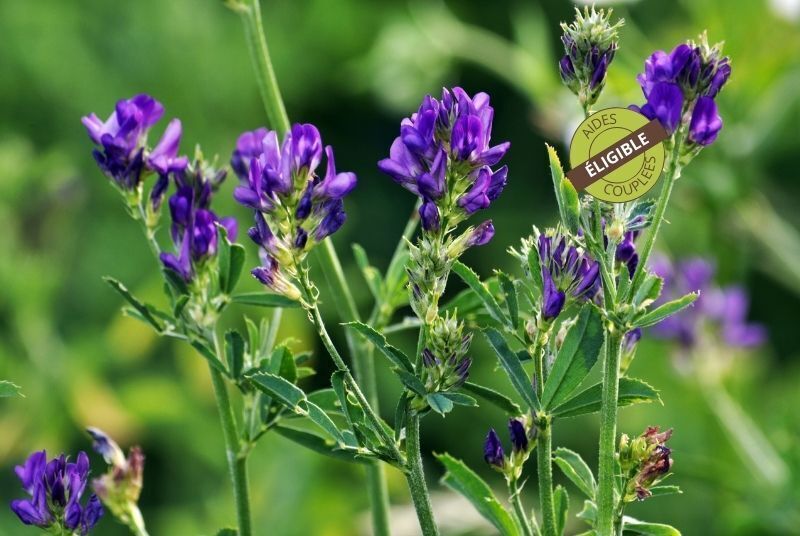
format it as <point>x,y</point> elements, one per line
<point>631,391</point>
<point>493,397</point>
<point>575,359</point>
<point>577,470</point>
<point>143,309</point>
<point>566,195</point>
<point>511,364</point>
<point>648,529</point>
<point>473,281</point>
<point>462,479</point>
<point>8,388</point>
<point>398,358</point>
<point>264,299</point>
<point>668,309</point>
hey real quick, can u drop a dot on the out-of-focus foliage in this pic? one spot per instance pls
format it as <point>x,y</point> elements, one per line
<point>355,67</point>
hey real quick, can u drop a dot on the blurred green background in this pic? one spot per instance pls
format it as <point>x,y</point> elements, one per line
<point>355,68</point>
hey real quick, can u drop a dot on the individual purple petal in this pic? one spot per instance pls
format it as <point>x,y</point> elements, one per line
<point>481,235</point>
<point>164,157</point>
<point>429,215</point>
<point>432,183</point>
<point>493,450</point>
<point>706,122</point>
<point>552,298</point>
<point>519,437</point>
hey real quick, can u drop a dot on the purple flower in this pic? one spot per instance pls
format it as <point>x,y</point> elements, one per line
<point>519,437</point>
<point>194,225</point>
<point>445,147</point>
<point>121,140</point>
<point>717,311</point>
<point>295,207</point>
<point>688,78</point>
<point>567,273</point>
<point>55,489</point>
<point>481,235</point>
<point>706,122</point>
<point>493,450</point>
<point>164,158</point>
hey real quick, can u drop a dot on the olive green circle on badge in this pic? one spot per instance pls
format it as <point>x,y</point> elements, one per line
<point>600,131</point>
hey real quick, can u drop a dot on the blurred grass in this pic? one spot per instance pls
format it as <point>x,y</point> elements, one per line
<point>355,68</point>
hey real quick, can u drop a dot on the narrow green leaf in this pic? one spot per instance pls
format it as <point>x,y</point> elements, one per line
<point>264,299</point>
<point>400,416</point>
<point>234,353</point>
<point>512,305</point>
<point>288,368</point>
<point>327,400</point>
<point>223,256</point>
<point>513,367</point>
<point>144,310</point>
<point>8,388</point>
<point>278,388</point>
<point>575,359</point>
<point>462,479</point>
<point>321,419</point>
<point>534,266</point>
<point>439,403</point>
<point>398,358</point>
<point>561,500</point>
<point>589,512</point>
<point>318,444</point>
<point>337,384</point>
<point>648,291</point>
<point>490,395</point>
<point>209,356</point>
<point>412,382</point>
<point>371,275</point>
<point>175,282</point>
<point>648,529</point>
<point>238,256</point>
<point>668,309</point>
<point>473,281</point>
<point>631,391</point>
<point>657,491</point>
<point>566,195</point>
<point>460,399</point>
<point>577,470</point>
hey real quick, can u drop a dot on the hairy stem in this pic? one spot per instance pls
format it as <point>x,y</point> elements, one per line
<point>237,462</point>
<point>415,475</point>
<point>544,462</point>
<point>608,432</point>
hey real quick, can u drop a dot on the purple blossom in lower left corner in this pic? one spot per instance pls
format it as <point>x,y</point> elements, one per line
<point>55,489</point>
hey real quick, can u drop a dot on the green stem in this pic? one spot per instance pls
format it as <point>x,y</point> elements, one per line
<point>279,120</point>
<point>544,462</point>
<point>415,475</point>
<point>544,443</point>
<point>672,174</point>
<point>608,433</point>
<point>237,464</point>
<point>250,10</point>
<point>519,510</point>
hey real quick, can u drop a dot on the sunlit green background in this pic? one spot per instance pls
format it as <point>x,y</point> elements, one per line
<point>354,68</point>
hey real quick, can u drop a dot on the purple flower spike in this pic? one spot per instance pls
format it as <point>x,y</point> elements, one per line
<point>55,489</point>
<point>706,122</point>
<point>493,450</point>
<point>445,147</point>
<point>519,437</point>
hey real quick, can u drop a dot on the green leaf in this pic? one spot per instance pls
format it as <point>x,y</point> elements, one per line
<point>9,389</point>
<point>264,299</point>
<point>175,282</point>
<point>534,266</point>
<point>145,311</point>
<point>412,382</point>
<point>512,305</point>
<point>589,512</point>
<point>460,399</point>
<point>321,419</point>
<point>561,500</point>
<point>327,400</point>
<point>318,444</point>
<point>371,275</point>
<point>462,479</point>
<point>648,291</point>
<point>288,367</point>
<point>493,397</point>
<point>574,468</point>
<point>227,532</point>
<point>575,359</point>
<point>439,403</point>
<point>279,388</point>
<point>400,416</point>
<point>668,309</point>
<point>209,355</point>
<point>566,195</point>
<point>234,353</point>
<point>473,282</point>
<point>513,367</point>
<point>238,256</point>
<point>648,529</point>
<point>398,358</point>
<point>631,391</point>
<point>657,491</point>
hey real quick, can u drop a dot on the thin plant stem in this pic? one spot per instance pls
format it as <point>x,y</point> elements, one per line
<point>544,445</point>
<point>237,462</point>
<point>516,500</point>
<point>279,120</point>
<point>415,475</point>
<point>608,432</point>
